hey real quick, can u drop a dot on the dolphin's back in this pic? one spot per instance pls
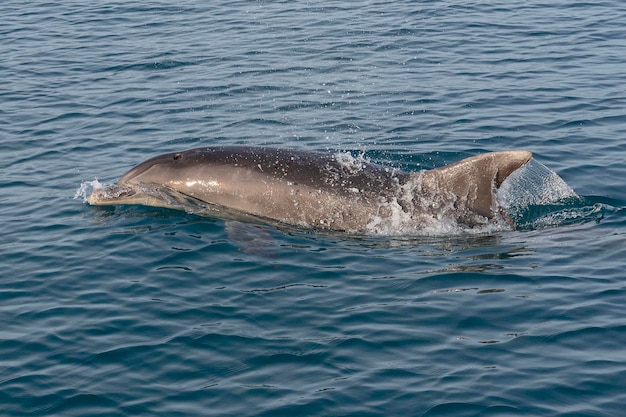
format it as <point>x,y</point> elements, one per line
<point>471,183</point>
<point>341,173</point>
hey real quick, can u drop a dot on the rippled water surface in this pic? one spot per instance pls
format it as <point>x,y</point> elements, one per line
<point>146,311</point>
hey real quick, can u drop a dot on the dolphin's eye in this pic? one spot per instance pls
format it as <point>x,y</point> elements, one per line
<point>177,156</point>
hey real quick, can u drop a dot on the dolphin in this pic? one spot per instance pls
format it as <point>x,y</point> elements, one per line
<point>334,192</point>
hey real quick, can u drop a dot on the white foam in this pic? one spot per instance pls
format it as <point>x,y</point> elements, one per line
<point>406,215</point>
<point>401,224</point>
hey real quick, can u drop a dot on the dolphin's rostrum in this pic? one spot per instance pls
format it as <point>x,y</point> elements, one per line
<point>314,189</point>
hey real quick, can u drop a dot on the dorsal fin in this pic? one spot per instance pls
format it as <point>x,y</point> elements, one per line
<point>470,183</point>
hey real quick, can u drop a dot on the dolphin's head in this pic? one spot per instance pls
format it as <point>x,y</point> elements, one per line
<point>151,183</point>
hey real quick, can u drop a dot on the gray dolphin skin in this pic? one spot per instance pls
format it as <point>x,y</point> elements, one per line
<point>314,189</point>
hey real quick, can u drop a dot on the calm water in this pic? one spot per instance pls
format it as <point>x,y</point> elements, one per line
<point>144,312</point>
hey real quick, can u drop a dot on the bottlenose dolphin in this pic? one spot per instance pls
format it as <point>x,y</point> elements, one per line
<point>314,189</point>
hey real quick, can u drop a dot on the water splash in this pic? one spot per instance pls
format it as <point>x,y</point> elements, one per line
<point>417,212</point>
<point>350,163</point>
<point>83,190</point>
<point>533,184</point>
<point>534,196</point>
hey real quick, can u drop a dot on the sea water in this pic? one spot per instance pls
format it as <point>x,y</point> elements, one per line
<point>136,311</point>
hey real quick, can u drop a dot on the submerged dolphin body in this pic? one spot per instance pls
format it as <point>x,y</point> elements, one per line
<point>319,190</point>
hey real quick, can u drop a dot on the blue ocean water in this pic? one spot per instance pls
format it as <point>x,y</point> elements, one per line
<point>143,311</point>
